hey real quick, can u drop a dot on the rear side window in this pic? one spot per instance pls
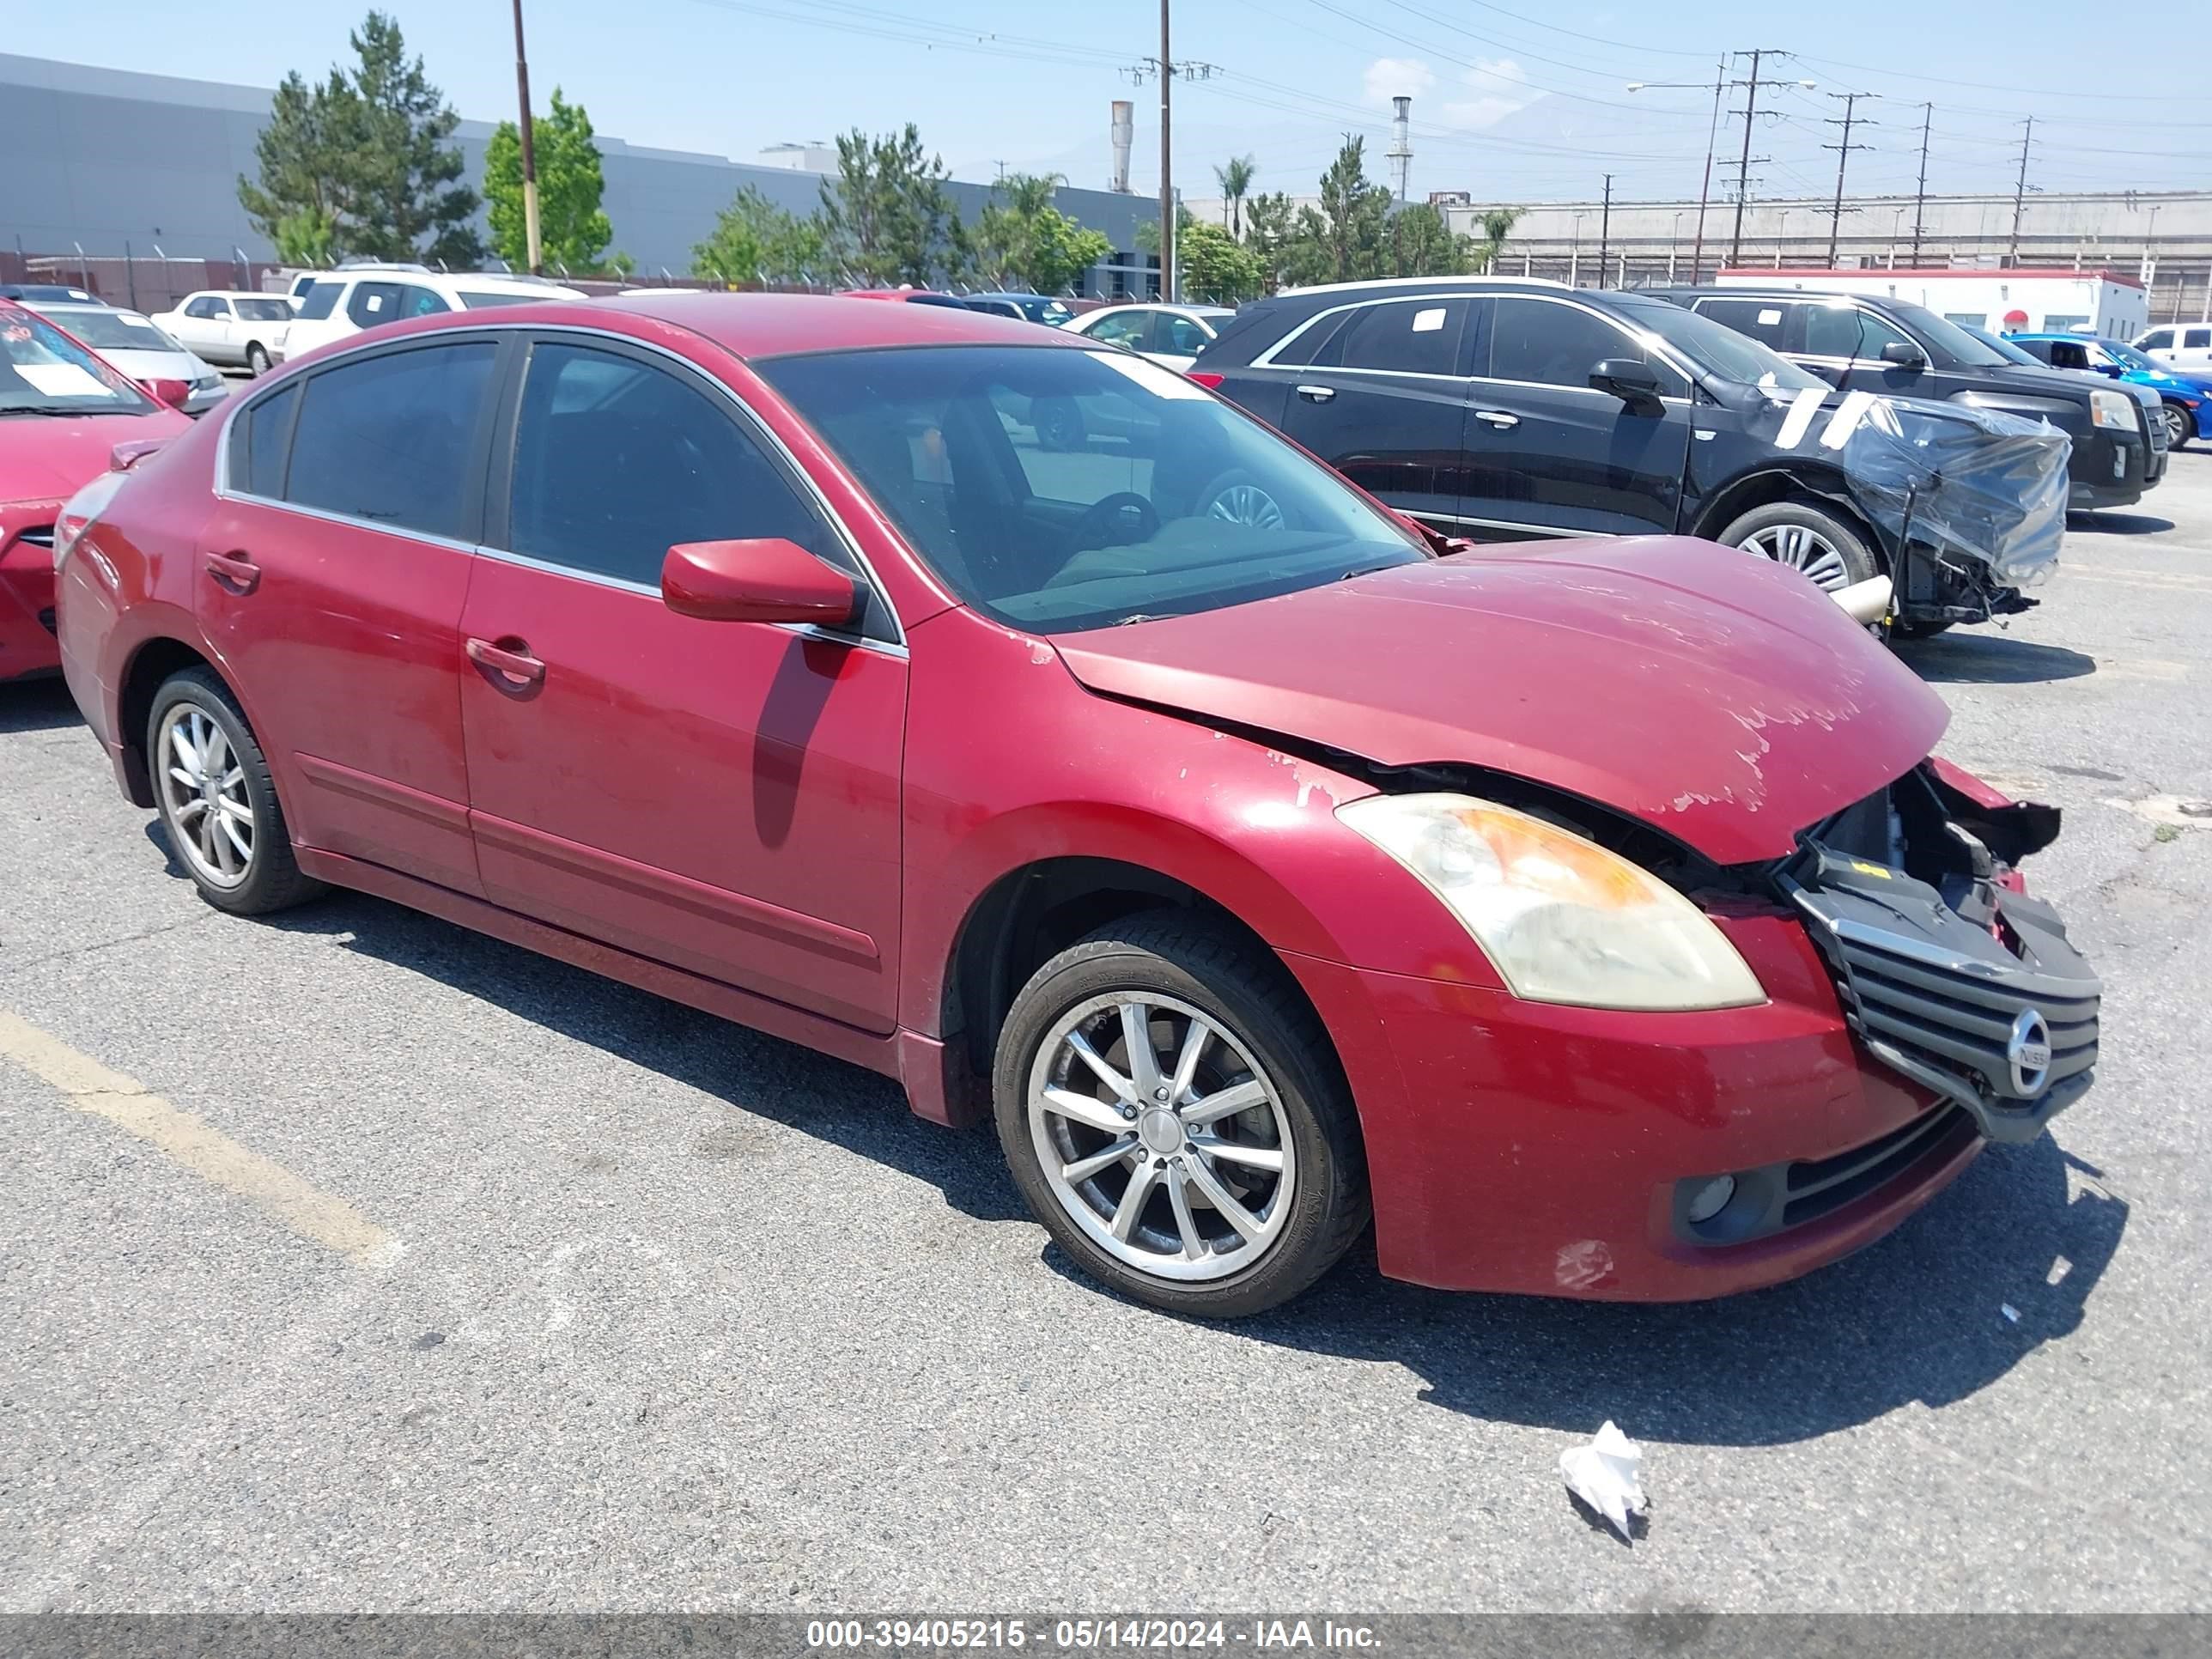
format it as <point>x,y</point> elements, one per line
<point>2196,339</point>
<point>373,303</point>
<point>271,310</point>
<point>322,299</point>
<point>616,462</point>
<point>258,440</point>
<point>391,438</point>
<point>1549,344</point>
<point>1767,321</point>
<point>1405,337</point>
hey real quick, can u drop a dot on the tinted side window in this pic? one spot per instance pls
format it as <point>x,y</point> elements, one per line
<point>1405,337</point>
<point>421,301</point>
<point>257,445</point>
<point>2195,339</point>
<point>371,303</point>
<point>322,298</point>
<point>616,462</point>
<point>1553,345</point>
<point>1847,332</point>
<point>2039,350</point>
<point>392,439</point>
<point>1129,329</point>
<point>1319,345</point>
<point>2158,339</point>
<point>1180,336</point>
<point>1767,321</point>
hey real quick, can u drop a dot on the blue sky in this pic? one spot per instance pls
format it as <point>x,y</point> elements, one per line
<point>1515,100</point>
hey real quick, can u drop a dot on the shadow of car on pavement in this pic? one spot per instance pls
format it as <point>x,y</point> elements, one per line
<point>1982,658</point>
<point>36,705</point>
<point>1916,1318</point>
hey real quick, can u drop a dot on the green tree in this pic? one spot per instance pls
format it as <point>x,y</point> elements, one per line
<point>1496,225</point>
<point>754,240</point>
<point>887,215</point>
<point>1271,227</point>
<point>1235,176</point>
<point>1422,244</point>
<point>305,236</point>
<point>364,156</point>
<point>573,230</point>
<point>1345,241</point>
<point>1025,240</point>
<point>1217,268</point>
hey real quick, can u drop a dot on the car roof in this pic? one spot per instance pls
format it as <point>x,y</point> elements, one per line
<point>1016,294</point>
<point>759,325</point>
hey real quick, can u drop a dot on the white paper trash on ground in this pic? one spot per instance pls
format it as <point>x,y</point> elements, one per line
<point>1603,1475</point>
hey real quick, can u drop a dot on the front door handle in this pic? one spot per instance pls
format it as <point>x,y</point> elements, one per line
<point>234,571</point>
<point>1497,417</point>
<point>1316,394</point>
<point>509,660</point>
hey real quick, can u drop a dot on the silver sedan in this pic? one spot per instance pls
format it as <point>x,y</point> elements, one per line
<point>133,345</point>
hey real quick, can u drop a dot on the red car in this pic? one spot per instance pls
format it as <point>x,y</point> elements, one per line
<point>61,413</point>
<point>1593,916</point>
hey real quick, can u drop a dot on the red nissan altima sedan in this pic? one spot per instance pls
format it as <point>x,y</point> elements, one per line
<point>1593,917</point>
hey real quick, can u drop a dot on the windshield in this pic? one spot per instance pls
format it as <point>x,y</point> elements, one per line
<point>1946,339</point>
<point>104,330</point>
<point>321,299</point>
<point>43,371</point>
<point>1056,491</point>
<point>1713,346</point>
<point>270,310</point>
<point>2004,348</point>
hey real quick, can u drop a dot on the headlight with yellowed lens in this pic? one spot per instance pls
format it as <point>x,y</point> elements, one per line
<point>1563,918</point>
<point>2113,409</point>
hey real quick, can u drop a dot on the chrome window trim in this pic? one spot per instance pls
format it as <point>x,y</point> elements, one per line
<point>235,408</point>
<point>1657,346</point>
<point>1518,523</point>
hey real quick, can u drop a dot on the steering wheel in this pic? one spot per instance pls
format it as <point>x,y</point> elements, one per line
<point>1115,520</point>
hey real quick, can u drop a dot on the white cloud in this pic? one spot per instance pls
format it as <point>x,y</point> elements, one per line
<point>1396,77</point>
<point>1499,87</point>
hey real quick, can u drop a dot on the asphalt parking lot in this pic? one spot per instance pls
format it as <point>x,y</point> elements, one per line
<point>357,1261</point>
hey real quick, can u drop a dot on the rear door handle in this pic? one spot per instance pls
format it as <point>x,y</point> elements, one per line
<point>234,571</point>
<point>511,661</point>
<point>1316,394</point>
<point>1497,417</point>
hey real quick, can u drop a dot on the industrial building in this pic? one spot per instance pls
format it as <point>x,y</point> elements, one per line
<point>109,164</point>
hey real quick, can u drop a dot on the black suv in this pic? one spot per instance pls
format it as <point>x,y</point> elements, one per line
<point>1484,407</point>
<point>1861,344</point>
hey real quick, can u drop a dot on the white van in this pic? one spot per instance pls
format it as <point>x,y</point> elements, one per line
<point>2183,345</point>
<point>345,301</point>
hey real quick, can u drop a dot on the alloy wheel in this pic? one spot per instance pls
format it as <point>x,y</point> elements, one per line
<point>1161,1137</point>
<point>1801,548</point>
<point>1246,504</point>
<point>205,801</point>
<point>2179,429</point>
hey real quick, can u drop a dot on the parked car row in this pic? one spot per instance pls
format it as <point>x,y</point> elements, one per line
<point>999,710</point>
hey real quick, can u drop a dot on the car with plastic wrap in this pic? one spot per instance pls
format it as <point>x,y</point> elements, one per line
<point>66,418</point>
<point>1893,348</point>
<point>1489,407</point>
<point>1598,919</point>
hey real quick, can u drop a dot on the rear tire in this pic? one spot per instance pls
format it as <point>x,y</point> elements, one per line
<point>217,803</point>
<point>2180,426</point>
<point>1287,1160</point>
<point>256,360</point>
<point>1826,548</point>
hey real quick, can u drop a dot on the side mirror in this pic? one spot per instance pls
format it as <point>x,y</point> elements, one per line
<point>1901,355</point>
<point>764,580</point>
<point>2112,369</point>
<point>1629,379</point>
<point>171,393</point>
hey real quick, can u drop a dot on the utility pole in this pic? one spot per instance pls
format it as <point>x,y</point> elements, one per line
<point>1604,229</point>
<point>1165,67</point>
<point>1842,158</point>
<point>1705,190</point>
<point>2020,189</point>
<point>1743,163</point>
<point>529,152</point>
<point>1920,196</point>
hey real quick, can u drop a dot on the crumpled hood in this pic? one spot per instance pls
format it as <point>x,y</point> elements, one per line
<point>1720,698</point>
<point>50,458</point>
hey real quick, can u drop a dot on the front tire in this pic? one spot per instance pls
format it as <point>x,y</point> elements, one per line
<point>2180,426</point>
<point>256,360</point>
<point>1816,543</point>
<point>218,804</point>
<point>1175,1118</point>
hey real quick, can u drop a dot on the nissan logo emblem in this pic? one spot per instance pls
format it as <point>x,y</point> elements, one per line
<point>2027,1052</point>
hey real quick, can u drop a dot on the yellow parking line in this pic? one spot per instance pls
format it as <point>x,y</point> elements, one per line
<point>89,1086</point>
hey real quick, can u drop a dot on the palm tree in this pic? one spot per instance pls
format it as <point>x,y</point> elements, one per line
<point>1235,176</point>
<point>1496,225</point>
